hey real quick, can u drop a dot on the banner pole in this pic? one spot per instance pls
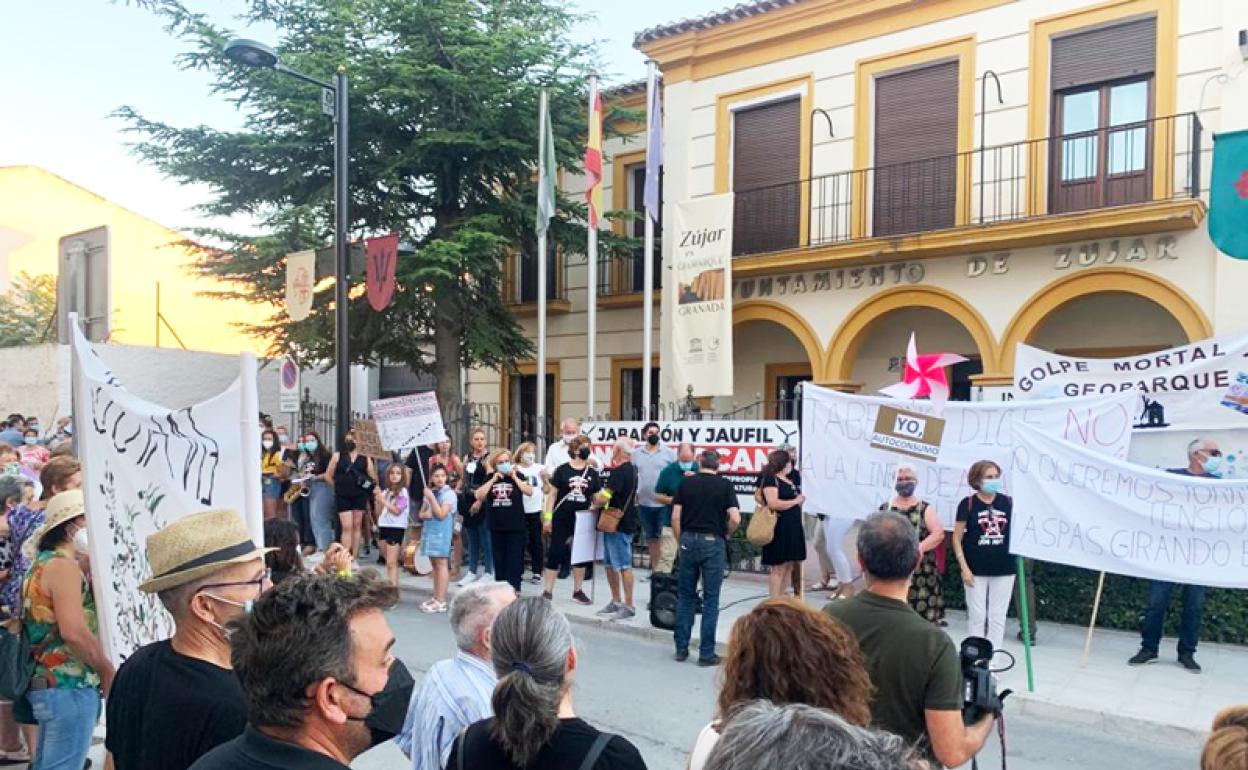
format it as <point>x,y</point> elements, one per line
<point>1096,608</point>
<point>1025,618</point>
<point>591,332</point>
<point>250,442</point>
<point>647,289</point>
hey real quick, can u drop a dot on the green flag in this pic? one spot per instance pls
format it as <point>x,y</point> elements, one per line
<point>1228,194</point>
<point>546,171</point>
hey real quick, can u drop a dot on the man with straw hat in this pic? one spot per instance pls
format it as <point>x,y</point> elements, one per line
<point>175,700</point>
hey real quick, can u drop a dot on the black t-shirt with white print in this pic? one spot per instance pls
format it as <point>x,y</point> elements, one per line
<point>504,506</point>
<point>574,489</point>
<point>986,542</point>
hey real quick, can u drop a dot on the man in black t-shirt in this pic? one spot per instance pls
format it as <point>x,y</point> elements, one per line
<point>174,700</point>
<point>620,494</point>
<point>704,515</point>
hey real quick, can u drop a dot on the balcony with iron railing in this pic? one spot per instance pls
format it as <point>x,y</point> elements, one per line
<point>621,277</point>
<point>520,282</point>
<point>1136,177</point>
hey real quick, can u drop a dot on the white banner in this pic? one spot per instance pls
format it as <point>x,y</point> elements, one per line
<point>702,281</point>
<point>845,477</point>
<point>1075,506</point>
<point>1185,388</point>
<point>744,445</point>
<point>300,283</point>
<point>406,422</point>
<point>144,467</point>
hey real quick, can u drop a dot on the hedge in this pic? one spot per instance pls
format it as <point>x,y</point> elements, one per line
<point>1065,594</point>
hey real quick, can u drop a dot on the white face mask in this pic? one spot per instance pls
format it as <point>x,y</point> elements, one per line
<point>527,458</point>
<point>568,437</point>
<point>267,443</point>
<point>81,542</point>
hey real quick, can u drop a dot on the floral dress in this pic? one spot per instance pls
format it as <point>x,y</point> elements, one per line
<point>53,659</point>
<point>927,592</point>
<point>23,521</point>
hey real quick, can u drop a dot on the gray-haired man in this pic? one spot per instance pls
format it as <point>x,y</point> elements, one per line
<point>456,692</point>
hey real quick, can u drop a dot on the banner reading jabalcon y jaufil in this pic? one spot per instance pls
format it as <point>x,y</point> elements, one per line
<point>702,310</point>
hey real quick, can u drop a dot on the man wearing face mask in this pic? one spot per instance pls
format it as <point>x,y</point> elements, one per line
<point>315,661</point>
<point>175,700</point>
<point>1204,459</point>
<point>684,466</point>
<point>650,458</point>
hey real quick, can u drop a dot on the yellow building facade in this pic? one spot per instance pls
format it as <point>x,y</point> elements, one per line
<point>38,208</point>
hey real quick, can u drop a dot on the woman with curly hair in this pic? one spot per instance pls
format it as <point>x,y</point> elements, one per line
<point>786,651</point>
<point>1226,748</point>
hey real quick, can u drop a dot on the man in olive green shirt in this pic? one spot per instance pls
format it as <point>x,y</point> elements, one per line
<point>913,664</point>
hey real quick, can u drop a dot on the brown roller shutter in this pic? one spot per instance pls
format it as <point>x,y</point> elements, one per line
<point>916,145</point>
<point>1108,53</point>
<point>766,171</point>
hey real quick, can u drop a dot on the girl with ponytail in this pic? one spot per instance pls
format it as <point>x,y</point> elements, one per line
<point>535,725</point>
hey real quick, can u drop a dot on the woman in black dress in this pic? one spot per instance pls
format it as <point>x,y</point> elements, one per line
<point>787,549</point>
<point>355,478</point>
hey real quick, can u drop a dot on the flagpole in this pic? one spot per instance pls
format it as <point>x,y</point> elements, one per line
<point>543,106</point>
<point>592,250</point>
<point>647,297</point>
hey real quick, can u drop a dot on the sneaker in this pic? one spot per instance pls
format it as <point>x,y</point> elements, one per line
<point>430,606</point>
<point>469,577</point>
<point>536,579</point>
<point>625,613</point>
<point>610,609</point>
<point>1144,656</point>
<point>487,577</point>
<point>580,598</point>
<point>1188,661</point>
<point>682,656</point>
<point>548,596</point>
<point>713,660</point>
<point>1033,637</point>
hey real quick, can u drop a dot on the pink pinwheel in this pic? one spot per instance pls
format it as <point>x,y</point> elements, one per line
<point>924,375</point>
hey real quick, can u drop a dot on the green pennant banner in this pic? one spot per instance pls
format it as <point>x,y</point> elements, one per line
<point>1228,194</point>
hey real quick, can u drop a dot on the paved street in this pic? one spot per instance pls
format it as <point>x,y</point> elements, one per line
<point>631,686</point>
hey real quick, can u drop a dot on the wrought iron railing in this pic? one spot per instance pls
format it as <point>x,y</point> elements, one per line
<point>618,275</point>
<point>1150,160</point>
<point>520,279</point>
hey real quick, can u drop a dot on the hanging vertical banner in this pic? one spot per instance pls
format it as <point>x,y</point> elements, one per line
<point>702,272</point>
<point>146,466</point>
<point>1228,193</point>
<point>300,280</point>
<point>381,257</point>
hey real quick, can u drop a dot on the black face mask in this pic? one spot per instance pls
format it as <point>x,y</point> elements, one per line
<point>583,453</point>
<point>348,445</point>
<point>652,439</point>
<point>385,719</point>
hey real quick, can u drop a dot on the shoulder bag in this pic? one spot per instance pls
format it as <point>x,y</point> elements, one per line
<point>609,517</point>
<point>17,663</point>
<point>762,527</point>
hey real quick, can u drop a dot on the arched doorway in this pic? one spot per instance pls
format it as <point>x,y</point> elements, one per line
<point>774,349</point>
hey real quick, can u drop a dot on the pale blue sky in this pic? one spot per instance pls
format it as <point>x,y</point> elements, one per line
<point>69,63</point>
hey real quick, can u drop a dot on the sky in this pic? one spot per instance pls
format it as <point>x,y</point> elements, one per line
<point>70,63</point>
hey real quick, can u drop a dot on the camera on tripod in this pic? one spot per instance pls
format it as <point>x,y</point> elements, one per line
<point>979,686</point>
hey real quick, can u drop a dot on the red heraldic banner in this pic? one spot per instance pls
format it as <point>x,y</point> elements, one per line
<point>381,256</point>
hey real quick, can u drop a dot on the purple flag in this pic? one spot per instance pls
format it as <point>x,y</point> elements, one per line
<point>654,147</point>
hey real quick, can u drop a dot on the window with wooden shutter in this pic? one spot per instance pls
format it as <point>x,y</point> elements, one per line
<point>1102,81</point>
<point>916,145</point>
<point>766,177</point>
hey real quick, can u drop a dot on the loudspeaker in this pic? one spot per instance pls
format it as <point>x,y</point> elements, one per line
<point>663,600</point>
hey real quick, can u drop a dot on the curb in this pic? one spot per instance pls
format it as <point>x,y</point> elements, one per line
<point>637,631</point>
<point>1116,724</point>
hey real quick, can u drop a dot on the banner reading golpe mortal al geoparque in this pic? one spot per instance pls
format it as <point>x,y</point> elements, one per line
<point>701,340</point>
<point>146,466</point>
<point>1077,507</point>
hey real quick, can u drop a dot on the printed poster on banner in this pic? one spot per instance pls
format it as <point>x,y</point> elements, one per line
<point>1078,507</point>
<point>144,467</point>
<point>702,308</point>
<point>288,387</point>
<point>909,433</point>
<point>844,476</point>
<point>406,422</point>
<point>743,444</point>
<point>1181,388</point>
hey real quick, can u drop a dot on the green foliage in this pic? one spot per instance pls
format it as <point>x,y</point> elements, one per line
<point>443,118</point>
<point>28,311</point>
<point>1065,594</point>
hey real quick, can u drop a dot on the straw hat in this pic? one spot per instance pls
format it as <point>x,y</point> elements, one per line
<point>61,508</point>
<point>198,545</point>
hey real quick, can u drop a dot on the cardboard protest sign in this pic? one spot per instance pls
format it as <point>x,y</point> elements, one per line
<point>1078,507</point>
<point>367,440</point>
<point>909,433</point>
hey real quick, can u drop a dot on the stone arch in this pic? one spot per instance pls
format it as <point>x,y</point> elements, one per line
<point>844,346</point>
<point>774,312</point>
<point>1036,310</point>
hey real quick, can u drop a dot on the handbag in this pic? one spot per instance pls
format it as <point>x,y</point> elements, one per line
<point>609,518</point>
<point>762,526</point>
<point>17,664</point>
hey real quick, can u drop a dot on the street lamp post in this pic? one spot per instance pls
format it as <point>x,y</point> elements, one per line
<point>253,54</point>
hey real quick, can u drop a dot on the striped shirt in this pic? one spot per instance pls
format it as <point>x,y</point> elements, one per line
<point>455,693</point>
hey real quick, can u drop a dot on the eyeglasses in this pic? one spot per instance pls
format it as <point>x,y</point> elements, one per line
<point>265,577</point>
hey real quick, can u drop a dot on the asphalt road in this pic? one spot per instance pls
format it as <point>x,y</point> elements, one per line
<point>632,687</point>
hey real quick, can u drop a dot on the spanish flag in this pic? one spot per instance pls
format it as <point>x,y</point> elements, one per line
<point>593,155</point>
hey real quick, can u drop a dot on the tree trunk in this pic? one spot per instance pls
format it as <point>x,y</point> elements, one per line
<point>447,339</point>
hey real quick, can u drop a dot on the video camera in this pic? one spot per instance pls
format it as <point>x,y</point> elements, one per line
<point>979,686</point>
